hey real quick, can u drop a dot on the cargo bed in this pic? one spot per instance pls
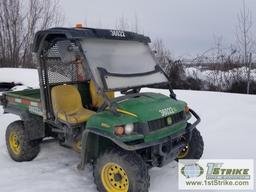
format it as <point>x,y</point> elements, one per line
<point>20,101</point>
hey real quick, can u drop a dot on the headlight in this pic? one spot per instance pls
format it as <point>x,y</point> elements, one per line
<point>129,128</point>
<point>119,130</point>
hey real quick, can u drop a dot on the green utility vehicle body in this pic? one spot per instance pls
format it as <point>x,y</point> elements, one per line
<point>90,65</point>
<point>152,103</point>
<point>29,101</point>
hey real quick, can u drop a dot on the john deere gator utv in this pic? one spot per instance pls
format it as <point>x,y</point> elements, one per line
<point>122,137</point>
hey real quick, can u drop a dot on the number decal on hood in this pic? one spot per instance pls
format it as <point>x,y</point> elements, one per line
<point>167,111</point>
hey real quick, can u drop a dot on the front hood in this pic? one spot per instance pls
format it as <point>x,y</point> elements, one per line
<point>150,106</point>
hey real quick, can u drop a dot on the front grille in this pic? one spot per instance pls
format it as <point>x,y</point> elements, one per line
<point>178,117</point>
<point>161,123</point>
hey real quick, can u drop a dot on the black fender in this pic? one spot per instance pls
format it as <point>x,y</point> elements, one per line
<point>92,137</point>
<point>34,126</point>
<point>90,142</point>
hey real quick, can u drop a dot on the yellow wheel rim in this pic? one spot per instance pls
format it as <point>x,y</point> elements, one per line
<point>114,178</point>
<point>14,143</point>
<point>184,152</point>
<point>77,146</point>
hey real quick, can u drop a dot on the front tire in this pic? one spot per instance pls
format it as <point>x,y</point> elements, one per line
<point>20,148</point>
<point>194,149</point>
<point>120,171</point>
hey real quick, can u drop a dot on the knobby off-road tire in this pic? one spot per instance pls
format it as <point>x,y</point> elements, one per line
<point>18,144</point>
<point>194,148</point>
<point>121,171</point>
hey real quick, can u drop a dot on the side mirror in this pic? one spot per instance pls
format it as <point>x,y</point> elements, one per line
<point>68,51</point>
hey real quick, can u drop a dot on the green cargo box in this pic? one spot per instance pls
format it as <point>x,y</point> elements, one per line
<point>28,100</point>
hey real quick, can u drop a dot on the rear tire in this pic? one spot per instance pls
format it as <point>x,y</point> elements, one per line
<point>121,171</point>
<point>195,148</point>
<point>20,148</point>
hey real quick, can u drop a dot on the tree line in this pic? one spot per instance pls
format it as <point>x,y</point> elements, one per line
<point>19,21</point>
<point>230,67</point>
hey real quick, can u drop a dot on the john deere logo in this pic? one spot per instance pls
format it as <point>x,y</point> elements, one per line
<point>192,170</point>
<point>169,120</point>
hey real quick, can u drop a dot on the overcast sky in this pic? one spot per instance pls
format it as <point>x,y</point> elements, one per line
<point>187,27</point>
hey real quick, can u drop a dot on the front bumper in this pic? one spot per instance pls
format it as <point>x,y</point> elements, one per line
<point>158,146</point>
<point>139,146</point>
<point>168,150</point>
<point>187,131</point>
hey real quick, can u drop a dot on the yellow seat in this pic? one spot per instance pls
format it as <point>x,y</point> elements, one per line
<point>97,100</point>
<point>67,105</point>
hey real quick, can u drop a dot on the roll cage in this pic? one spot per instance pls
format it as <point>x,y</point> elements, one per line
<point>55,63</point>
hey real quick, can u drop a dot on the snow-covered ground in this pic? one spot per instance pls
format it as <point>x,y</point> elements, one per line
<point>228,128</point>
<point>223,79</point>
<point>27,77</point>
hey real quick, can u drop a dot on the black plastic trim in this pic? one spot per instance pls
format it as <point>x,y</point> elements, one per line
<point>105,74</point>
<point>81,33</point>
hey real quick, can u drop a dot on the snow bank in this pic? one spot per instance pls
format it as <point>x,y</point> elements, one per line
<point>228,129</point>
<point>27,77</point>
<point>206,74</point>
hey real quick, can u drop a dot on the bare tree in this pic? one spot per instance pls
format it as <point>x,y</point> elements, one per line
<point>123,23</point>
<point>19,21</point>
<point>245,39</point>
<point>163,55</point>
<point>136,24</point>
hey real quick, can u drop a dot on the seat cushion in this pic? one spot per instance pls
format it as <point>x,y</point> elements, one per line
<point>66,99</point>
<point>67,105</point>
<point>97,100</point>
<point>80,116</point>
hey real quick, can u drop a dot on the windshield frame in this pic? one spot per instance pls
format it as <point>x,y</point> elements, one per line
<point>102,73</point>
<point>113,103</point>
